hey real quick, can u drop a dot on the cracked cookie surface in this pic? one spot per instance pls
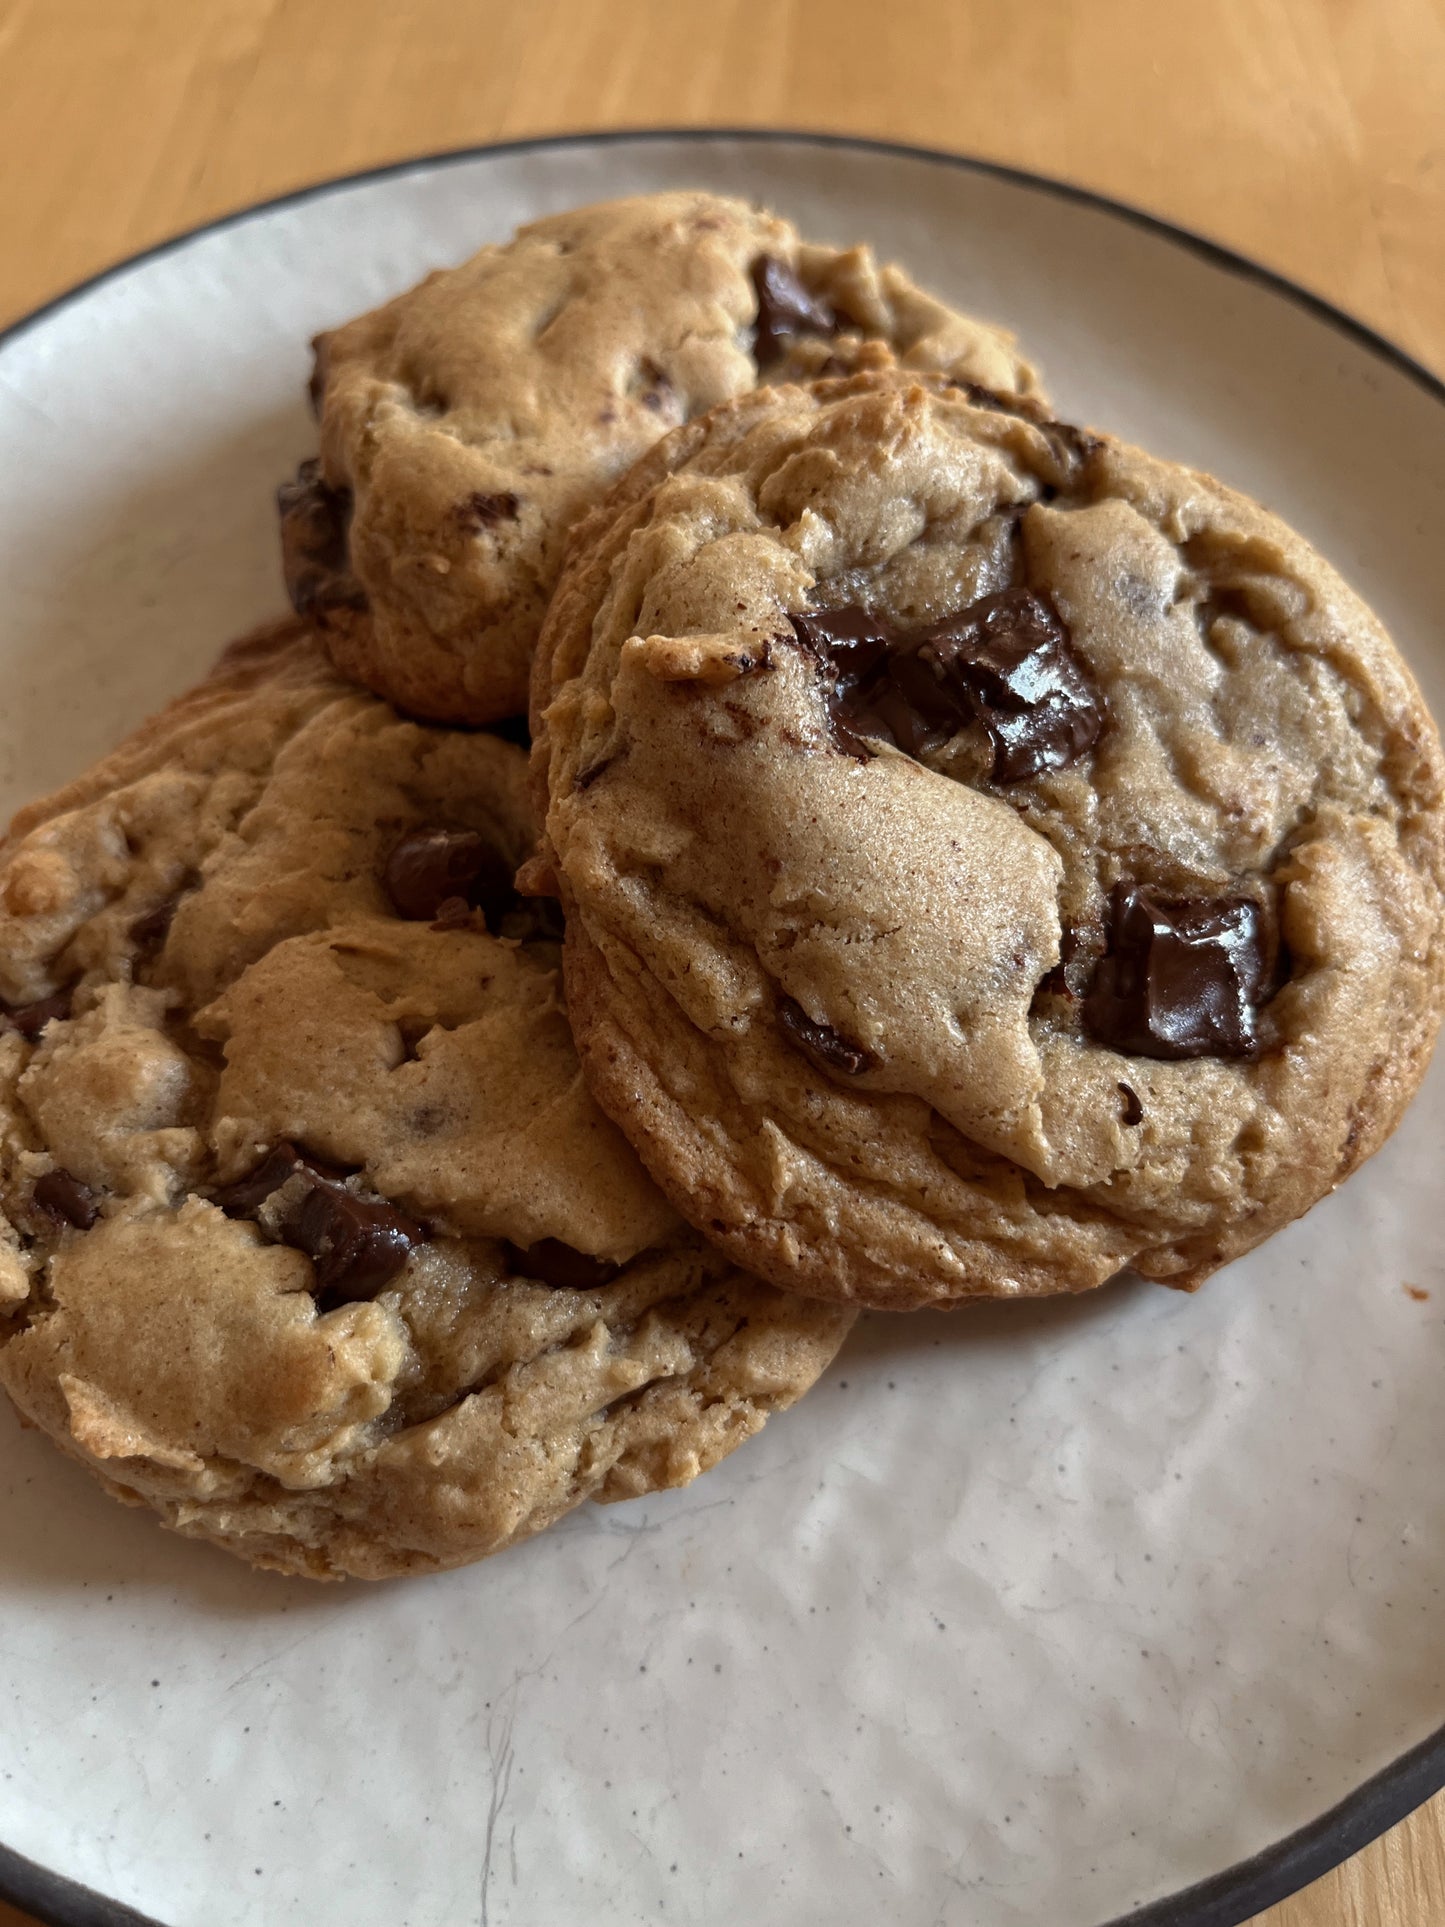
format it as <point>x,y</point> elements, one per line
<point>313,1238</point>
<point>468,423</point>
<point>992,857</point>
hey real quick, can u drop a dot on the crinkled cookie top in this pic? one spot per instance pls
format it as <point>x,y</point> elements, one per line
<point>313,1237</point>
<point>467,424</point>
<point>992,856</point>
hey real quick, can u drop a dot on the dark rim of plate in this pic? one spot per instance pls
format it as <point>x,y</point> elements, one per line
<point>1226,1899</point>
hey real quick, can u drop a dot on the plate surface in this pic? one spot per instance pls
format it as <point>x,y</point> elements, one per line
<point>1030,1617</point>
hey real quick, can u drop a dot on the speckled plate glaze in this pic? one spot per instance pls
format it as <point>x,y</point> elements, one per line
<point>1030,1617</point>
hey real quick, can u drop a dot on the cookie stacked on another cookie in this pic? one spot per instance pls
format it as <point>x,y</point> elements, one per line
<point>991,856</point>
<point>314,1240</point>
<point>466,425</point>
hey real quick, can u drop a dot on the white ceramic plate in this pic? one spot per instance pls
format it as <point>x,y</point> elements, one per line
<point>1028,1617</point>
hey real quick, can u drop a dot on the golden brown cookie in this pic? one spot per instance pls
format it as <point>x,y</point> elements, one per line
<point>466,425</point>
<point>313,1239</point>
<point>992,856</point>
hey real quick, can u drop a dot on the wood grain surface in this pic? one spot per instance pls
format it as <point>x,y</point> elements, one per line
<point>1307,133</point>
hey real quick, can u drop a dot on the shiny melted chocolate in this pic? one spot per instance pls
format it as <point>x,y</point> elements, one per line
<point>1006,663</point>
<point>432,868</point>
<point>356,1245</point>
<point>821,1042</point>
<point>785,309</point>
<point>1181,976</point>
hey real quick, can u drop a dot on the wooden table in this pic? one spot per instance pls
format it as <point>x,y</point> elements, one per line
<point>1308,133</point>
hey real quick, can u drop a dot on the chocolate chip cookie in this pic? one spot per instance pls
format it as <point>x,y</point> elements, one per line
<point>466,425</point>
<point>313,1239</point>
<point>993,857</point>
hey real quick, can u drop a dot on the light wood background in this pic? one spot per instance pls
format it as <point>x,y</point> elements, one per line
<point>1307,133</point>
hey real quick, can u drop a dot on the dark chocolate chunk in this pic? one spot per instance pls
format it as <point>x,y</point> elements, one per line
<point>822,1043</point>
<point>852,641</point>
<point>246,1196</point>
<point>857,651</point>
<point>1133,1109</point>
<point>31,1019</point>
<point>315,520</point>
<point>357,1245</point>
<point>1181,977</point>
<point>785,309</point>
<point>551,1262</point>
<point>1010,656</point>
<point>1005,662</point>
<point>65,1200</point>
<point>433,869</point>
<point>486,511</point>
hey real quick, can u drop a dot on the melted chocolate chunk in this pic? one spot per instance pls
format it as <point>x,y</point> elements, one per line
<point>551,1262</point>
<point>785,309</point>
<point>1133,1109</point>
<point>853,642</point>
<point>244,1198</point>
<point>1005,662</point>
<point>436,875</point>
<point>1182,976</point>
<point>1010,657</point>
<point>822,1043</point>
<point>356,1245</point>
<point>30,1019</point>
<point>315,519</point>
<point>65,1200</point>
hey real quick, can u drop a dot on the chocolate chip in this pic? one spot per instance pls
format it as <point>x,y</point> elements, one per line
<point>487,511</point>
<point>30,1019</point>
<point>65,1200</point>
<point>356,1245</point>
<point>244,1198</point>
<point>1005,662</point>
<point>1010,656</point>
<point>315,519</point>
<point>432,870</point>
<point>852,641</point>
<point>785,309</point>
<point>1181,977</point>
<point>1133,1109</point>
<point>822,1043</point>
<point>551,1262</point>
